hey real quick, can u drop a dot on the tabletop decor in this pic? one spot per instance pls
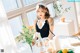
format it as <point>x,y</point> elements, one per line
<point>27,33</point>
<point>66,51</point>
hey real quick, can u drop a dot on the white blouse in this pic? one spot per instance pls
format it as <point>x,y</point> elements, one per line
<point>40,23</point>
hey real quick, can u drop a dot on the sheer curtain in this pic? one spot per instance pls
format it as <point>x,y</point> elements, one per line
<point>6,37</point>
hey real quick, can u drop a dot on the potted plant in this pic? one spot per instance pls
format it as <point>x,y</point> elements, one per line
<point>27,34</point>
<point>59,8</point>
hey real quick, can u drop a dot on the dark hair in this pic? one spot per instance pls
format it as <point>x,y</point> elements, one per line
<point>47,15</point>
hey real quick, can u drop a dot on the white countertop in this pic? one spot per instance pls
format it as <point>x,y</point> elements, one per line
<point>64,42</point>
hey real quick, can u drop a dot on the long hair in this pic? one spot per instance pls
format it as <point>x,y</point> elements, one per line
<point>47,14</point>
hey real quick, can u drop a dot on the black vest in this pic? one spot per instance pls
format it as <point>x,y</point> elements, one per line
<point>44,31</point>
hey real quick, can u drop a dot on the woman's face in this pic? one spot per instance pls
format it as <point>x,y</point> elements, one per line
<point>41,13</point>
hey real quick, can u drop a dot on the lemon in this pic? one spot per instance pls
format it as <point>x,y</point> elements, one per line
<point>64,50</point>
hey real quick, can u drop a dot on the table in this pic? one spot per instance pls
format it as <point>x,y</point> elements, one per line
<point>62,42</point>
<point>59,42</point>
<point>66,41</point>
<point>54,44</point>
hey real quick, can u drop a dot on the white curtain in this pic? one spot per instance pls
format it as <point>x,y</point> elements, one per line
<point>6,37</point>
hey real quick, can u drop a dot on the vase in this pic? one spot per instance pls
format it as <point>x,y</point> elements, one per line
<point>62,19</point>
<point>31,48</point>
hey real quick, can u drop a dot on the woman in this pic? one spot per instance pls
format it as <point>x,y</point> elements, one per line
<point>44,23</point>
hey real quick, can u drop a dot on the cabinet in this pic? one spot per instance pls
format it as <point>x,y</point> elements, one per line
<point>64,28</point>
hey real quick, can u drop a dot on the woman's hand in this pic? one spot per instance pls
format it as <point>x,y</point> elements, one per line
<point>37,36</point>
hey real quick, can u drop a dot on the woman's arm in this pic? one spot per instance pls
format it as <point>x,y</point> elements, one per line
<point>51,25</point>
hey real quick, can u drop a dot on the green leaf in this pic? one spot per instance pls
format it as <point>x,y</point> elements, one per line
<point>27,34</point>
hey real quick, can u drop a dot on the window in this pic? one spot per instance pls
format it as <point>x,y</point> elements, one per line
<point>31,17</point>
<point>18,12</point>
<point>14,8</point>
<point>28,2</point>
<point>10,5</point>
<point>16,25</point>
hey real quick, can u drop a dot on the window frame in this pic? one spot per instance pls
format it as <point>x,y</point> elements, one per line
<point>22,11</point>
<point>25,9</point>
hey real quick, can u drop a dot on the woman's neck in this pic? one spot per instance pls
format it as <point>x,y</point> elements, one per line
<point>42,19</point>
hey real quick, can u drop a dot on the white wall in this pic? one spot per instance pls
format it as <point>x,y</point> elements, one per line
<point>78,12</point>
<point>71,15</point>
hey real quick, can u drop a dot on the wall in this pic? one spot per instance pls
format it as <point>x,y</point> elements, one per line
<point>71,15</point>
<point>78,12</point>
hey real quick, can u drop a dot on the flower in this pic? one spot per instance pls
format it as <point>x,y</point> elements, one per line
<point>27,33</point>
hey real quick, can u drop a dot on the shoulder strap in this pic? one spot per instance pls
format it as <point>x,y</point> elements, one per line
<point>52,32</point>
<point>49,29</point>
